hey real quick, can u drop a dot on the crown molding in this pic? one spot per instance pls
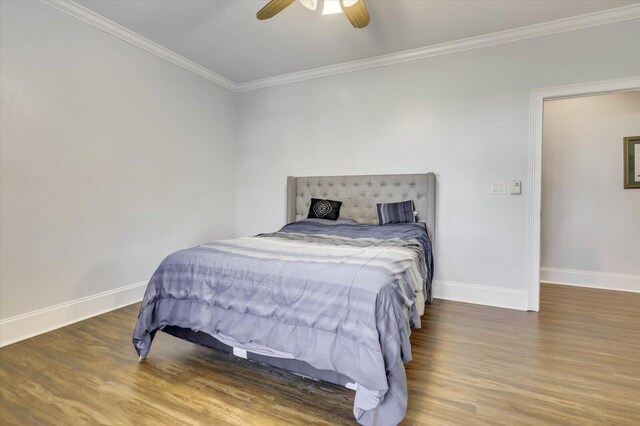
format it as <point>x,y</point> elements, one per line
<point>538,30</point>
<point>98,21</point>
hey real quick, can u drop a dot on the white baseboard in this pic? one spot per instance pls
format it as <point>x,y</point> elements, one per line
<point>591,279</point>
<point>480,295</point>
<point>31,324</point>
<point>20,327</point>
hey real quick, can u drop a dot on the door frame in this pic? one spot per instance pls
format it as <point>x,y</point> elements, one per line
<point>538,97</point>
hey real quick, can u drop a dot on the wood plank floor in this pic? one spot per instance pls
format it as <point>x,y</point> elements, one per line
<point>577,361</point>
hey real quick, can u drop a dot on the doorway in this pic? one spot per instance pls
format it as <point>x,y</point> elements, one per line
<point>590,221</point>
<point>538,98</point>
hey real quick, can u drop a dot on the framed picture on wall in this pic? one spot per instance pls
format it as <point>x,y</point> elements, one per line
<point>632,162</point>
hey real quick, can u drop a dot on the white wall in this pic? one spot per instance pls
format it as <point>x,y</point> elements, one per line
<point>590,224</point>
<point>111,158</point>
<point>465,116</point>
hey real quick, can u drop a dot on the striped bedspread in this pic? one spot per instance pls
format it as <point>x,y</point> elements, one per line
<point>339,297</point>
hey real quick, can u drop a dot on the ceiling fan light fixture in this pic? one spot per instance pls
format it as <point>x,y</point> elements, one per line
<point>355,10</point>
<point>309,4</point>
<point>331,6</point>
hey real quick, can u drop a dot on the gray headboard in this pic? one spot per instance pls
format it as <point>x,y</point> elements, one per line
<point>360,194</point>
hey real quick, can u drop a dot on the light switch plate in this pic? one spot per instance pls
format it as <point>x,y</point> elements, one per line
<point>498,188</point>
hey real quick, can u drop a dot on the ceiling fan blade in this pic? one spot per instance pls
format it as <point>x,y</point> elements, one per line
<point>356,13</point>
<point>273,8</point>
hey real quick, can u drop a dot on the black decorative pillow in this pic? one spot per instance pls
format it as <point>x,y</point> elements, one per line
<point>402,212</point>
<point>324,209</point>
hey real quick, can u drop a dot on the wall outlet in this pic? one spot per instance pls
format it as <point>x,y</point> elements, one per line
<point>516,187</point>
<point>498,188</point>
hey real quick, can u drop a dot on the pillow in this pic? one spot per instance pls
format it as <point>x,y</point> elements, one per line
<point>402,212</point>
<point>340,221</point>
<point>324,209</point>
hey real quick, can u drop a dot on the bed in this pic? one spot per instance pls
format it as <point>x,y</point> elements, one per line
<point>333,302</point>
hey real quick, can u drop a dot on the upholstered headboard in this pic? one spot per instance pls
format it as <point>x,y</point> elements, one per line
<point>360,194</point>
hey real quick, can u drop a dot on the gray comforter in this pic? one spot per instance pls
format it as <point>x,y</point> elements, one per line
<point>341,298</point>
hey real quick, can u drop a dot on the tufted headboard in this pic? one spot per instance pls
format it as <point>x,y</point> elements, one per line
<point>360,194</point>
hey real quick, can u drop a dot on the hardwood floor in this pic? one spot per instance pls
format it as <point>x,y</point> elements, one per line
<point>577,361</point>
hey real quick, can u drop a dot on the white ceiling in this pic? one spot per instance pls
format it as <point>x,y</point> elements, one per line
<point>225,36</point>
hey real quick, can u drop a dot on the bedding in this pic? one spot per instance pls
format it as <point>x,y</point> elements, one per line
<point>340,298</point>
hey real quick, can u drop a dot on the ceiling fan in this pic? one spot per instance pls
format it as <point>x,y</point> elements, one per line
<point>355,10</point>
